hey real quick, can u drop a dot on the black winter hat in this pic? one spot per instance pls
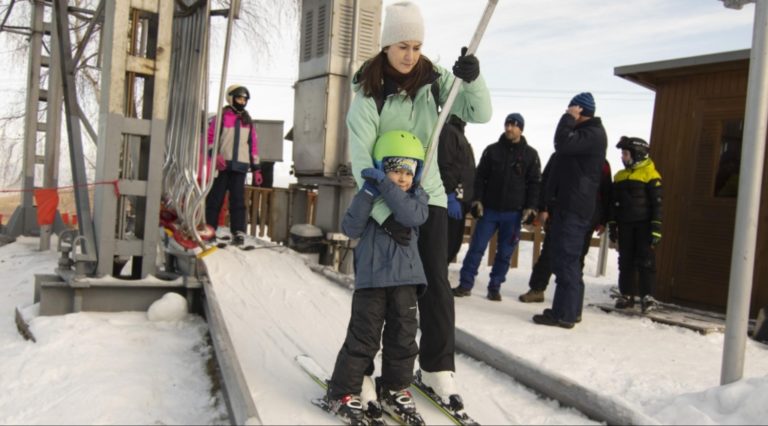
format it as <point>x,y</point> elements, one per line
<point>516,119</point>
<point>587,103</point>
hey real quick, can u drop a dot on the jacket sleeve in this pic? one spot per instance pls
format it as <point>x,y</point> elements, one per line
<point>254,144</point>
<point>363,124</point>
<point>211,131</point>
<point>543,193</point>
<point>533,181</point>
<point>472,103</point>
<point>654,198</point>
<point>356,216</point>
<point>408,208</point>
<point>569,141</point>
<point>481,176</point>
<point>604,195</point>
<point>450,167</point>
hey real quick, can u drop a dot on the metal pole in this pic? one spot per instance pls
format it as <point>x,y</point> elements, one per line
<point>471,49</point>
<point>748,204</point>
<point>74,134</point>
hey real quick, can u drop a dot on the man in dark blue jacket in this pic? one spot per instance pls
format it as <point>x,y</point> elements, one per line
<point>507,187</point>
<point>580,145</point>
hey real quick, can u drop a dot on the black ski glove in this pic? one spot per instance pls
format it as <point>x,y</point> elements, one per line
<point>655,233</point>
<point>467,67</point>
<point>398,232</point>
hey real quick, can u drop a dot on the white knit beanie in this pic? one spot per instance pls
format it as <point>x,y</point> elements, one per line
<point>402,22</point>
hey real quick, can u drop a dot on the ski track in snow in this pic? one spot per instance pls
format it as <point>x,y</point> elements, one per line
<point>276,308</point>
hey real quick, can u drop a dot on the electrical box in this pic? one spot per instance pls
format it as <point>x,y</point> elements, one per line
<point>270,134</point>
<point>327,28</point>
<point>323,92</point>
<point>319,127</point>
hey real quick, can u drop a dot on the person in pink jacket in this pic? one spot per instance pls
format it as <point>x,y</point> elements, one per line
<point>237,154</point>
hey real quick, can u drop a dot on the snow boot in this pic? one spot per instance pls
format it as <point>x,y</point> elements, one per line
<point>348,408</point>
<point>239,238</point>
<point>442,384</point>
<point>548,318</point>
<point>374,414</point>
<point>648,304</point>
<point>625,302</point>
<point>494,296</point>
<point>461,292</point>
<point>533,296</point>
<point>400,405</point>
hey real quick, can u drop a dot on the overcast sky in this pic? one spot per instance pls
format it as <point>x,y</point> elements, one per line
<point>537,54</point>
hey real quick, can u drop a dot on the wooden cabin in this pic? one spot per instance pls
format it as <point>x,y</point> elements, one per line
<point>698,122</point>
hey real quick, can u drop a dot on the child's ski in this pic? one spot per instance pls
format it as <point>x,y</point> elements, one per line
<point>319,376</point>
<point>454,410</point>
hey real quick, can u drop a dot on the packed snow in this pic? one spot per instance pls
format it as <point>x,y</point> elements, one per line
<point>123,368</point>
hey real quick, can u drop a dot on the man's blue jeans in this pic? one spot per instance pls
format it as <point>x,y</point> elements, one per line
<point>508,225</point>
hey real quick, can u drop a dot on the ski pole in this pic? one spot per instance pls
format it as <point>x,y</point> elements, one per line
<point>471,49</point>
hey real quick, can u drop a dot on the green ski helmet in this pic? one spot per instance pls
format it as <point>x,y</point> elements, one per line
<point>399,143</point>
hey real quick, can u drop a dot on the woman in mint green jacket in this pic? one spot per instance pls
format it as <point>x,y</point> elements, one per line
<point>400,89</point>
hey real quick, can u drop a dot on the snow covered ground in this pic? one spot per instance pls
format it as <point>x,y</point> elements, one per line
<point>121,368</point>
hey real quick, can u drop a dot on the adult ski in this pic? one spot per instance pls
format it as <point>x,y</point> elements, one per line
<point>319,376</point>
<point>453,409</point>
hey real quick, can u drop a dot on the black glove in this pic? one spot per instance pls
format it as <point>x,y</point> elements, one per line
<point>398,232</point>
<point>613,232</point>
<point>655,234</point>
<point>467,67</point>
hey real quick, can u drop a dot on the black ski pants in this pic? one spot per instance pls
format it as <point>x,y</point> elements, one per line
<point>234,182</point>
<point>636,258</point>
<point>392,309</point>
<point>542,270</point>
<point>456,233</point>
<point>437,317</point>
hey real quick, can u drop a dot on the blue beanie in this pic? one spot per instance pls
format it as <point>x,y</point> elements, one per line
<point>586,102</point>
<point>516,119</point>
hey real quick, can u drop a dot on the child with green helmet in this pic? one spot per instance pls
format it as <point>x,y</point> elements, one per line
<point>389,277</point>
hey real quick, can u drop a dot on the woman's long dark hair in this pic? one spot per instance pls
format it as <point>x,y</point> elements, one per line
<point>372,74</point>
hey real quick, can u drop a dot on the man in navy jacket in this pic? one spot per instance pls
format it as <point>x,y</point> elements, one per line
<point>580,145</point>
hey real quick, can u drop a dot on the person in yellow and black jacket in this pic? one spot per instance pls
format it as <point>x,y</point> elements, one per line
<point>635,222</point>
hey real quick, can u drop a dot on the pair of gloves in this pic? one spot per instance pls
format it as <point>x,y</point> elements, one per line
<point>527,217</point>
<point>613,233</point>
<point>398,232</point>
<point>258,179</point>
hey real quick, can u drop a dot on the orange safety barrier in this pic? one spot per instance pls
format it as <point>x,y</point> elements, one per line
<point>47,200</point>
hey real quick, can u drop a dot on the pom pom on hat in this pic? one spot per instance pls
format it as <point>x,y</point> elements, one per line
<point>403,22</point>
<point>586,102</point>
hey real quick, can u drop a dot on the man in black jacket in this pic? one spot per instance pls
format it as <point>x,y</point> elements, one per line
<point>542,270</point>
<point>507,187</point>
<point>580,145</point>
<point>457,169</point>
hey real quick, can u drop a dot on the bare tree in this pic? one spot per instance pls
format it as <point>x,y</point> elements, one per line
<point>263,28</point>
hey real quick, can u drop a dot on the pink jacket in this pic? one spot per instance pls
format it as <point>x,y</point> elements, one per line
<point>239,154</point>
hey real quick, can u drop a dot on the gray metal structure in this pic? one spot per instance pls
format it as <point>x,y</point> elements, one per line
<point>24,218</point>
<point>132,125</point>
<point>337,36</point>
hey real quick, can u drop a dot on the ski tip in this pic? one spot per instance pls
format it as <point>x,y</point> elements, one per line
<point>207,251</point>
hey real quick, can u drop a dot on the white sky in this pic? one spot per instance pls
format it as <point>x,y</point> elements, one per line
<point>120,368</point>
<point>537,54</point>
